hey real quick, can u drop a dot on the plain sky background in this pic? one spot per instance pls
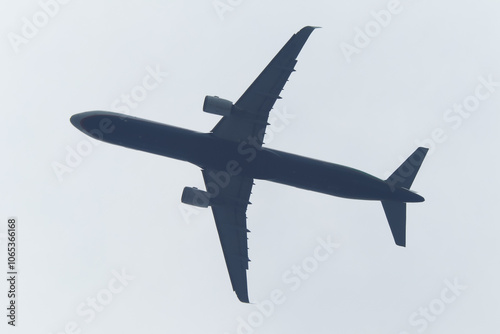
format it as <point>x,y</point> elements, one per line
<point>120,209</point>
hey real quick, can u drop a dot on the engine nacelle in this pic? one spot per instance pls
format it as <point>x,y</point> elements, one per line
<point>195,197</point>
<point>216,105</point>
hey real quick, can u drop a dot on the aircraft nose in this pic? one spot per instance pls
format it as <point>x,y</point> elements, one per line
<point>85,121</point>
<point>97,124</point>
<point>76,120</point>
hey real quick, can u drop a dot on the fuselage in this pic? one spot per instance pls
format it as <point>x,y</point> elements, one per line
<point>209,152</point>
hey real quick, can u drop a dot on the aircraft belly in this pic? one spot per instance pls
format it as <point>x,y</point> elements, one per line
<point>327,178</point>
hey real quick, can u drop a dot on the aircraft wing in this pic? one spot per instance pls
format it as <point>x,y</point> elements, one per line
<point>230,219</point>
<point>249,119</point>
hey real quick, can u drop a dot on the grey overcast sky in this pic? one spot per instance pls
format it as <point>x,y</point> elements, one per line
<point>105,245</point>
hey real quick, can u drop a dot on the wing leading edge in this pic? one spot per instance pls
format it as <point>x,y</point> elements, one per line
<point>231,221</point>
<point>248,120</point>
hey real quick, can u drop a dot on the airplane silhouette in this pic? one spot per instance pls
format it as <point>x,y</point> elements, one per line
<point>232,155</point>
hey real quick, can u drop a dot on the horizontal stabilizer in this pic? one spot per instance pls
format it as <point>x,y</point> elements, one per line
<point>403,177</point>
<point>405,174</point>
<point>396,216</point>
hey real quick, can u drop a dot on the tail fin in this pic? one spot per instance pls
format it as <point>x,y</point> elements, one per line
<point>402,178</point>
<point>405,174</point>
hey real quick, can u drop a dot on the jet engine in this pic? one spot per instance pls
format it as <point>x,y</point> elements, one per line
<point>196,197</point>
<point>216,105</point>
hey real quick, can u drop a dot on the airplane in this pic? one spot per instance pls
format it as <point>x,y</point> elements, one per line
<point>232,156</point>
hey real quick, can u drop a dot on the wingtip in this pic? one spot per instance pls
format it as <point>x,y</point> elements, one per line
<point>423,149</point>
<point>244,299</point>
<point>309,28</point>
<point>401,243</point>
